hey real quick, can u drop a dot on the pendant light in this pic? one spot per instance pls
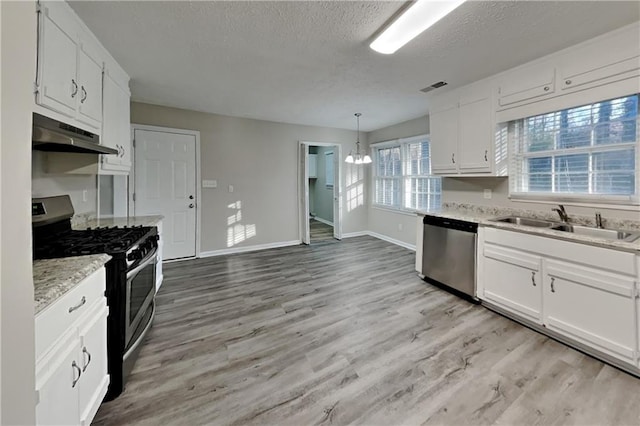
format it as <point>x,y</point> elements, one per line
<point>358,158</point>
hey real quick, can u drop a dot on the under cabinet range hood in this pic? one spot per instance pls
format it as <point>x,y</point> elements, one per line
<point>52,135</point>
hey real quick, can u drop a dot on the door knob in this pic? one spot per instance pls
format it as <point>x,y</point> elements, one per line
<point>191,205</point>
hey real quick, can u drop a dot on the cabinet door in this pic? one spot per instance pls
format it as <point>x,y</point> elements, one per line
<point>57,385</point>
<point>475,141</point>
<point>592,307</point>
<point>444,140</point>
<point>59,87</point>
<point>116,131</point>
<point>93,356</point>
<point>526,85</point>
<point>90,90</point>
<point>512,280</point>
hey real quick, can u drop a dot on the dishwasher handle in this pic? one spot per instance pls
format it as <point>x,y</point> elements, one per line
<point>443,222</point>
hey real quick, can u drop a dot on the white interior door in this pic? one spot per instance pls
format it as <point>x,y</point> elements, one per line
<point>337,205</point>
<point>165,184</point>
<point>305,232</point>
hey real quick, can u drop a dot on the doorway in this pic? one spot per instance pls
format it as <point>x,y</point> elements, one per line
<point>320,206</point>
<point>166,182</point>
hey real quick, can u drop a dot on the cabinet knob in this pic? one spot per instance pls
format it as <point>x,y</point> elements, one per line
<point>191,197</point>
<point>533,278</point>
<point>567,82</point>
<point>546,88</point>
<point>553,289</point>
<point>191,205</point>
<point>74,92</point>
<point>485,155</point>
<point>453,158</point>
<point>75,368</point>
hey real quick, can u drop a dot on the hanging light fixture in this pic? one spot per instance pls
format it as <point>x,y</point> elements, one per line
<point>358,158</point>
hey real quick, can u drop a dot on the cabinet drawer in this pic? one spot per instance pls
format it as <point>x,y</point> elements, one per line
<point>526,85</point>
<point>574,79</point>
<point>58,317</point>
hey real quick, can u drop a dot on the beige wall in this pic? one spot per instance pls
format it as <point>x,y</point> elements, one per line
<point>17,348</point>
<point>260,159</point>
<point>399,226</point>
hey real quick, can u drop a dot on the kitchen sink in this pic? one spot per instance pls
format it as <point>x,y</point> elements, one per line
<point>609,234</point>
<point>525,221</point>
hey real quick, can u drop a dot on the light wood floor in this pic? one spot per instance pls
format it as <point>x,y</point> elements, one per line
<point>346,333</point>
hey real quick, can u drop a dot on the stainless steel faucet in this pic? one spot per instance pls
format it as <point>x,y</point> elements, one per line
<point>562,213</point>
<point>599,221</point>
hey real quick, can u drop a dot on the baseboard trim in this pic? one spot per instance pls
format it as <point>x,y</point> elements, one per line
<point>380,237</point>
<point>411,247</point>
<point>246,249</point>
<point>319,219</point>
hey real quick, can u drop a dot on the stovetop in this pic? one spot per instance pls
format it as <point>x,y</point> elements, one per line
<point>90,241</point>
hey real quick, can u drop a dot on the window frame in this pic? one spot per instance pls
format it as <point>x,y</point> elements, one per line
<point>403,177</point>
<point>517,165</point>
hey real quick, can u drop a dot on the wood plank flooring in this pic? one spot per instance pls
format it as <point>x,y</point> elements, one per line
<point>346,333</point>
<point>320,232</point>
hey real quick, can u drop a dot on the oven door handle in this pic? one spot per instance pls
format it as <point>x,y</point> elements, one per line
<point>143,263</point>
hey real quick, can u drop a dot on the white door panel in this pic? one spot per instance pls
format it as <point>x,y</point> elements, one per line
<point>165,183</point>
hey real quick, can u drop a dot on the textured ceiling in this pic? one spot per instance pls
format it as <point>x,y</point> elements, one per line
<point>308,62</point>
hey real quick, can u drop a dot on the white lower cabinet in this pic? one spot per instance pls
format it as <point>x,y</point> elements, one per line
<point>587,295</point>
<point>594,307</point>
<point>513,280</point>
<point>71,355</point>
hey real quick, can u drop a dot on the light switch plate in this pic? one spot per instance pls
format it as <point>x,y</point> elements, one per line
<point>209,183</point>
<point>230,188</point>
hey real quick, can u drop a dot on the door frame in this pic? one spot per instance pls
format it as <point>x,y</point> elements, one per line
<point>132,175</point>
<point>303,189</point>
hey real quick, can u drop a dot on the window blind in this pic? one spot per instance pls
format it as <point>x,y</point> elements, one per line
<point>402,175</point>
<point>588,152</point>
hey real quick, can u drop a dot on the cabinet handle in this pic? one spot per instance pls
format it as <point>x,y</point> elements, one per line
<point>546,88</point>
<point>568,82</point>
<point>85,351</point>
<point>84,95</point>
<point>75,367</point>
<point>191,205</point>
<point>75,88</point>
<point>485,155</point>
<point>533,278</point>
<point>553,289</point>
<point>82,302</point>
<point>122,152</point>
<point>453,158</point>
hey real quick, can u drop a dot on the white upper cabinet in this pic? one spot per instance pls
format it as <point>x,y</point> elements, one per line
<point>116,122</point>
<point>462,132</point>
<point>57,58</point>
<point>526,85</point>
<point>90,87</point>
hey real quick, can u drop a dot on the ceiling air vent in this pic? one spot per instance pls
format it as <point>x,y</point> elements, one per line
<point>434,86</point>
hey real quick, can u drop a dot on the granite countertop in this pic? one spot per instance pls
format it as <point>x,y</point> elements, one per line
<point>52,278</point>
<point>482,214</point>
<point>120,221</point>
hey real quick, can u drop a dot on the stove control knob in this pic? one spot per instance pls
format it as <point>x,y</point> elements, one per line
<point>135,255</point>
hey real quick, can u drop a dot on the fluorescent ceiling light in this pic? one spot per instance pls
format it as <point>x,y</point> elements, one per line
<point>416,19</point>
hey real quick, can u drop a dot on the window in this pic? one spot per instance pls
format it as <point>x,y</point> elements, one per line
<point>328,168</point>
<point>402,175</point>
<point>585,153</point>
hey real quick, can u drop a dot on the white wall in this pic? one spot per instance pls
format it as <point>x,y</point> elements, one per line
<point>260,159</point>
<point>49,184</point>
<point>397,225</point>
<point>17,348</point>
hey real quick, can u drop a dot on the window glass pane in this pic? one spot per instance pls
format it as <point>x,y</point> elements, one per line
<point>571,151</point>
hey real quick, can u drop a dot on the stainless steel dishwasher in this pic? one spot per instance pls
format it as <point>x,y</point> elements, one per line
<point>449,254</point>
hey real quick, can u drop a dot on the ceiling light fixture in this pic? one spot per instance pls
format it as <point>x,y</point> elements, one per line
<point>358,158</point>
<point>416,19</point>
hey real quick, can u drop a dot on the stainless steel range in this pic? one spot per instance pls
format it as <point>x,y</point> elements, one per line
<point>130,274</point>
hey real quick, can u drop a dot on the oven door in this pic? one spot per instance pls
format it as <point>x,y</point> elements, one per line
<point>140,291</point>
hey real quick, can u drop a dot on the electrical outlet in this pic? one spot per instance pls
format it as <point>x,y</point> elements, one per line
<point>230,188</point>
<point>487,194</point>
<point>209,183</point>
